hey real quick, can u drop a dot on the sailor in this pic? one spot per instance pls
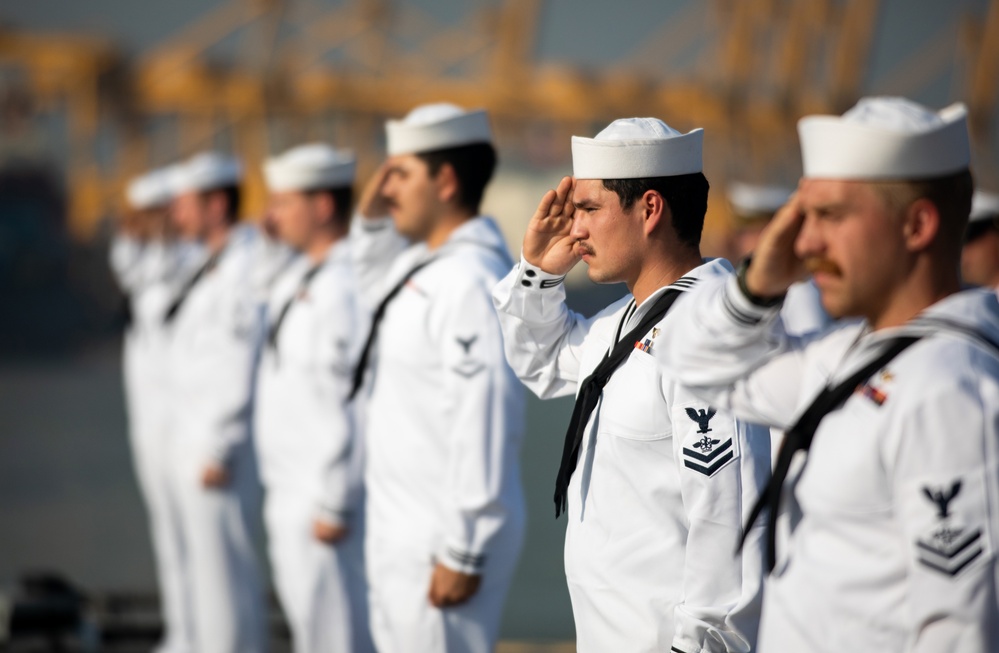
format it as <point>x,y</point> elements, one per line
<point>445,412</point>
<point>306,436</point>
<point>654,481</point>
<point>216,326</point>
<point>753,207</point>
<point>148,263</point>
<point>889,463</point>
<point>980,255</point>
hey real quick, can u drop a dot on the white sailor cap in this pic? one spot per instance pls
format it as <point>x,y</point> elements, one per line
<point>634,148</point>
<point>310,167</point>
<point>206,171</point>
<point>150,190</point>
<point>887,138</point>
<point>436,127</point>
<point>984,206</point>
<point>752,199</point>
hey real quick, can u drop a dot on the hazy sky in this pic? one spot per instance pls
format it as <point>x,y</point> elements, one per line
<point>590,33</point>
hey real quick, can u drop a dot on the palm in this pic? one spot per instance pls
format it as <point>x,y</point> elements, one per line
<point>548,243</point>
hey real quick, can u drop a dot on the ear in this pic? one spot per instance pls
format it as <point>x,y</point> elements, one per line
<point>921,224</point>
<point>654,211</point>
<point>447,183</point>
<point>325,207</point>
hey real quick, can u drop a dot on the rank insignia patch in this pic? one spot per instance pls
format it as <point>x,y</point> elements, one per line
<point>948,548</point>
<point>708,455</point>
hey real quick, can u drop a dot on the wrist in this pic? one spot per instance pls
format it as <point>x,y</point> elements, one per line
<point>755,297</point>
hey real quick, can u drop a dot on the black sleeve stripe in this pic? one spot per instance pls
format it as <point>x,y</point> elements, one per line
<point>551,283</point>
<point>674,649</point>
<point>738,314</point>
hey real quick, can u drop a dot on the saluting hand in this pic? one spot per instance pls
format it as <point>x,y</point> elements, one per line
<point>214,476</point>
<point>328,533</point>
<point>775,265</point>
<point>372,203</point>
<point>449,587</point>
<point>547,243</point>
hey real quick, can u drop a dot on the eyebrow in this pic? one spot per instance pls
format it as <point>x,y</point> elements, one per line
<point>585,203</point>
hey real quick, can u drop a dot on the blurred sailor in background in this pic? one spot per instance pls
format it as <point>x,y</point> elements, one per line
<point>980,255</point>
<point>216,327</point>
<point>306,434</point>
<point>445,412</point>
<point>149,264</point>
<point>653,480</point>
<point>753,207</point>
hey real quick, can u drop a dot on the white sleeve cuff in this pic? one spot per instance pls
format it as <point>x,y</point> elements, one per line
<point>532,277</point>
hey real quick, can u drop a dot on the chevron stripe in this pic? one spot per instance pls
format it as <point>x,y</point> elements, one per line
<point>708,471</point>
<point>708,457</point>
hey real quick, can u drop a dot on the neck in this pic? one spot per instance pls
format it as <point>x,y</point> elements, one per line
<point>320,246</point>
<point>662,271</point>
<point>216,238</point>
<point>919,290</point>
<point>445,226</point>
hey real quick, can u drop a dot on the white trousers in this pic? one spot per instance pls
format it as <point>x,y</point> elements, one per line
<point>224,591</point>
<point>404,621</point>
<point>321,587</point>
<point>148,433</point>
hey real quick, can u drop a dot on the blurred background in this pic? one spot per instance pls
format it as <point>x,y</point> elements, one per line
<point>94,92</point>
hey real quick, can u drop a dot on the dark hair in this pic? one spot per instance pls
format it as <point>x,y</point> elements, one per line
<point>686,196</point>
<point>343,199</point>
<point>473,165</point>
<point>233,197</point>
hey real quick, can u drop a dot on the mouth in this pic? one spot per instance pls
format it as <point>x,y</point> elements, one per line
<point>583,250</point>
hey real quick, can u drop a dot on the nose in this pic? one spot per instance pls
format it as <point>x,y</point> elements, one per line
<point>809,242</point>
<point>579,230</point>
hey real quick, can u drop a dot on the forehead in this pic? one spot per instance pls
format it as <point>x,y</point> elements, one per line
<point>406,163</point>
<point>592,191</point>
<point>820,193</point>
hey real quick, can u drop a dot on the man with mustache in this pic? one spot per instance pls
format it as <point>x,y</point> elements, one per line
<point>653,480</point>
<point>887,475</point>
<point>444,413</point>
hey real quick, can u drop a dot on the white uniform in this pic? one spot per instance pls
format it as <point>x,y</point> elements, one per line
<point>215,337</point>
<point>444,425</point>
<point>658,500</point>
<point>149,275</point>
<point>896,514</point>
<point>310,453</point>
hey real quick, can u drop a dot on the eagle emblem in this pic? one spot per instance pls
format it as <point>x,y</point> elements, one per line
<point>702,417</point>
<point>942,499</point>
<point>467,344</point>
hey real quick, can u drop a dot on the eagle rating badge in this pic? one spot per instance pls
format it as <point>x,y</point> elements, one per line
<point>948,548</point>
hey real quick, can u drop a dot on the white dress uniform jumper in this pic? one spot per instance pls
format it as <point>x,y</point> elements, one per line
<point>663,481</point>
<point>444,426</point>
<point>310,453</point>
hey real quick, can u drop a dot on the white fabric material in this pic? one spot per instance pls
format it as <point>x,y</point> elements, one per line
<point>633,148</point>
<point>984,206</point>
<point>650,541</point>
<point>445,420</point>
<point>885,138</point>
<point>150,190</point>
<point>752,199</point>
<point>854,574</point>
<point>310,167</point>
<point>437,126</point>
<point>310,454</point>
<point>205,171</point>
<point>150,286</point>
<point>215,340</point>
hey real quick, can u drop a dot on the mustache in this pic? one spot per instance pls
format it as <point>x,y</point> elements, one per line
<point>582,248</point>
<point>814,265</point>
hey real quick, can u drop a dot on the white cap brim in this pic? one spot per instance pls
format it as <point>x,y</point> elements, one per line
<point>635,159</point>
<point>984,206</point>
<point>752,199</point>
<point>834,148</point>
<point>310,167</point>
<point>465,129</point>
<point>207,171</point>
<point>150,190</point>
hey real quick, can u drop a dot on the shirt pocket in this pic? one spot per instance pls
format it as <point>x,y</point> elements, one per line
<point>632,405</point>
